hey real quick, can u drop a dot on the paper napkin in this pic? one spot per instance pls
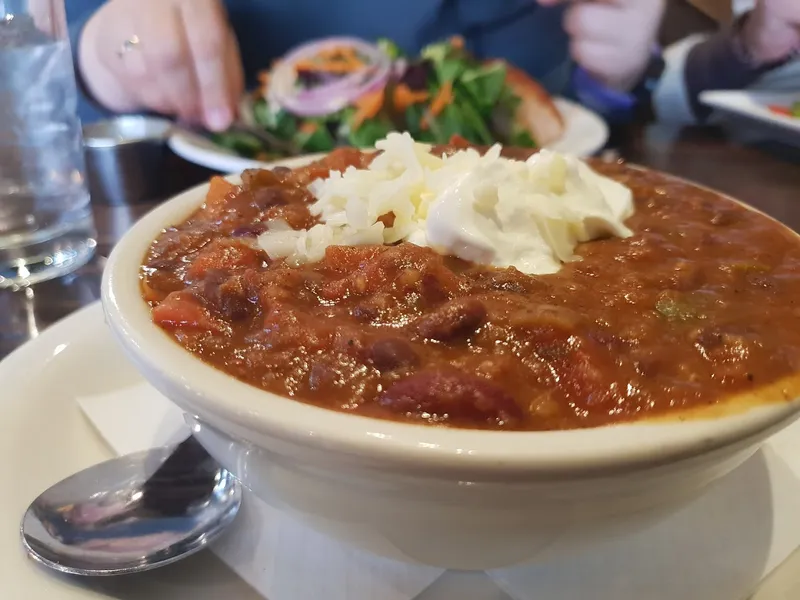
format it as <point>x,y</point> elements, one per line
<point>718,548</point>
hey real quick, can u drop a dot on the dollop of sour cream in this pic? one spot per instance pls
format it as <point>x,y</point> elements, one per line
<point>488,209</point>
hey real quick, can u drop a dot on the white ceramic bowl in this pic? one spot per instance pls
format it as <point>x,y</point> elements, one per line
<point>451,498</point>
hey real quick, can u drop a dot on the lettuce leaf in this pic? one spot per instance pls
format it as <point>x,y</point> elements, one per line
<point>485,84</point>
<point>370,132</point>
<point>239,142</point>
<point>317,140</point>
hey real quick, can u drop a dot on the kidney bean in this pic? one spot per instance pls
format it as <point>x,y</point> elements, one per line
<point>457,318</point>
<point>388,354</point>
<point>254,230</point>
<point>267,197</point>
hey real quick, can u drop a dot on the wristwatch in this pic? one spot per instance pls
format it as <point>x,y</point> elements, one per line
<point>616,104</point>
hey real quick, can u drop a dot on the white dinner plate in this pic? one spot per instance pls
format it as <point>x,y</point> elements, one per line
<point>45,437</point>
<point>585,133</point>
<point>755,105</point>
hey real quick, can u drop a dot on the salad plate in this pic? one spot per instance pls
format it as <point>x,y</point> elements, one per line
<point>345,91</point>
<point>776,109</point>
<point>585,133</point>
<point>201,150</point>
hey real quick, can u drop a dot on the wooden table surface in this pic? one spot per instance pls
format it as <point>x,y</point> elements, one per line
<point>765,177</point>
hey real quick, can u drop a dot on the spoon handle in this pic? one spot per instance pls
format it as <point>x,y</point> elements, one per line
<point>186,476</point>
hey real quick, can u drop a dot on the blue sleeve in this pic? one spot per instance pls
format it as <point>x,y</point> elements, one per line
<point>78,13</point>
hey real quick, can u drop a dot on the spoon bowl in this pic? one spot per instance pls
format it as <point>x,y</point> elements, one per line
<point>133,513</point>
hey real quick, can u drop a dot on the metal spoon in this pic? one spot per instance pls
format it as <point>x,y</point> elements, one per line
<point>132,513</point>
<point>270,141</point>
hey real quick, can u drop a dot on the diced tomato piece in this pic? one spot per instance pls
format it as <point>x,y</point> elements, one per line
<point>344,259</point>
<point>338,160</point>
<point>371,269</point>
<point>287,328</point>
<point>219,192</point>
<point>230,255</point>
<point>447,395</point>
<point>784,111</point>
<point>459,141</point>
<point>182,310</point>
<point>586,374</point>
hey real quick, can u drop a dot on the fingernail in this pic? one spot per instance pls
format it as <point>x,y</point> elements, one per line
<point>218,119</point>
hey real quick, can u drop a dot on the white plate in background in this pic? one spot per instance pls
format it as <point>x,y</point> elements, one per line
<point>754,104</point>
<point>585,133</point>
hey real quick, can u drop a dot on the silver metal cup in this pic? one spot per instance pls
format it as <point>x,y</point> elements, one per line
<point>125,159</point>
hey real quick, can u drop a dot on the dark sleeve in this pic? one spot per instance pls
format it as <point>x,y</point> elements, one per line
<point>718,63</point>
<point>88,109</point>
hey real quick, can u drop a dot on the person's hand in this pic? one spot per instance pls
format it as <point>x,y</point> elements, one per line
<point>612,39</point>
<point>771,32</point>
<point>175,57</point>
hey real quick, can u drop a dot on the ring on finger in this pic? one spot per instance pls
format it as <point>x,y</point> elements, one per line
<point>129,45</point>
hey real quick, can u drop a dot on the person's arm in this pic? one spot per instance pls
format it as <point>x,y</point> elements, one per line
<point>671,101</point>
<point>735,57</point>
<point>612,45</point>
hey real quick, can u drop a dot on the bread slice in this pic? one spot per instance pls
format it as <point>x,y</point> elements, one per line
<point>537,112</point>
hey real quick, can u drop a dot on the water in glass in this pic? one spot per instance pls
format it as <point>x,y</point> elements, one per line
<point>46,227</point>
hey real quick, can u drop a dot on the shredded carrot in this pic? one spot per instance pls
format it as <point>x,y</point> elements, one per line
<point>308,128</point>
<point>335,67</point>
<point>339,59</point>
<point>263,82</point>
<point>404,96</point>
<point>457,42</point>
<point>367,107</point>
<point>339,53</point>
<point>424,124</point>
<point>443,97</point>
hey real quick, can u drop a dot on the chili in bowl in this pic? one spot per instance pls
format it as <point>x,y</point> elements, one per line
<point>585,362</point>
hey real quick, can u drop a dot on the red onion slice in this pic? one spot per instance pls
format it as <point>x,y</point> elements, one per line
<point>332,97</point>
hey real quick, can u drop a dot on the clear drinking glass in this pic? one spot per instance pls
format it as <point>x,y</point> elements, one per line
<point>46,227</point>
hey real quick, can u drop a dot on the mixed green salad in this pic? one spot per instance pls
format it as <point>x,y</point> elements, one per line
<point>787,111</point>
<point>345,91</point>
